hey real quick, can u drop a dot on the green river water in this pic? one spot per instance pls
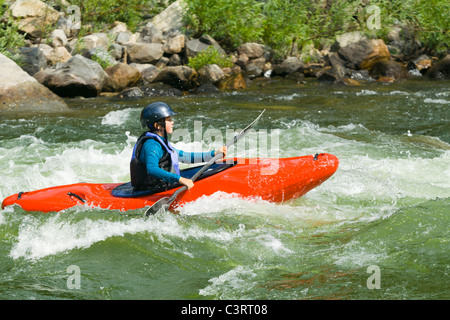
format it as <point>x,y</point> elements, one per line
<point>377,229</point>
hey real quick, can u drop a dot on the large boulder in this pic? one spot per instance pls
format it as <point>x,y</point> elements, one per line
<point>121,76</point>
<point>288,66</point>
<point>364,54</point>
<point>180,77</point>
<point>79,76</point>
<point>251,50</point>
<point>211,73</point>
<point>144,52</point>
<point>32,16</point>
<point>21,92</point>
<point>170,21</point>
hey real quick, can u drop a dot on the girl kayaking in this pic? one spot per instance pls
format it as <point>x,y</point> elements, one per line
<point>155,162</point>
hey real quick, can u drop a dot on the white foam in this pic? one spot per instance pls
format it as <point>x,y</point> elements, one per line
<point>117,118</point>
<point>437,101</point>
<point>229,283</point>
<point>38,239</point>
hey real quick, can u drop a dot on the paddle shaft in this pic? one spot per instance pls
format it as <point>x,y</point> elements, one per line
<point>208,164</point>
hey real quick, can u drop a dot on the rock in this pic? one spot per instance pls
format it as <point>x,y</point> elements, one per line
<point>233,82</point>
<point>251,50</point>
<point>120,77</point>
<point>55,55</point>
<point>423,63</point>
<point>402,41</point>
<point>297,76</point>
<point>255,68</point>
<point>32,60</point>
<point>148,72</point>
<point>150,34</point>
<point>174,60</point>
<point>116,51</point>
<point>180,77</point>
<point>388,68</point>
<point>58,38</point>
<point>174,45</point>
<point>160,90</point>
<point>171,19</point>
<point>440,70</point>
<point>195,46</point>
<point>210,73</point>
<point>364,54</point>
<point>162,63</point>
<point>288,66</point>
<point>131,93</point>
<point>346,39</point>
<point>207,88</point>
<point>386,80</point>
<point>118,27</point>
<point>144,52</point>
<point>123,38</point>
<point>79,76</point>
<point>311,70</point>
<point>149,75</point>
<point>32,16</point>
<point>102,56</point>
<point>21,92</point>
<point>95,40</point>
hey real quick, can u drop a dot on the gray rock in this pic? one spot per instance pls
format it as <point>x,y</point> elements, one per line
<point>210,73</point>
<point>288,66</point>
<point>21,92</point>
<point>32,60</point>
<point>79,76</point>
<point>144,52</point>
<point>171,19</point>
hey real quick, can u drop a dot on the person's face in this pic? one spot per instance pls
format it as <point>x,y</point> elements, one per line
<point>169,125</point>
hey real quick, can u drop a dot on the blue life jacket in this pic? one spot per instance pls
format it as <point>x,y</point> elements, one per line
<point>140,179</point>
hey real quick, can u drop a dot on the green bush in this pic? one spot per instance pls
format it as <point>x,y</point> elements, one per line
<point>209,56</point>
<point>287,25</point>
<point>10,38</point>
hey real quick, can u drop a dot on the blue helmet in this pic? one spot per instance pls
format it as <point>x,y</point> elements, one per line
<point>154,112</point>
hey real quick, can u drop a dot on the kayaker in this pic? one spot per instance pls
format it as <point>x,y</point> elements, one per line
<point>155,162</point>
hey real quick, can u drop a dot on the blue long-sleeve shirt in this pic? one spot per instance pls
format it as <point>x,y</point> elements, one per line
<point>152,152</point>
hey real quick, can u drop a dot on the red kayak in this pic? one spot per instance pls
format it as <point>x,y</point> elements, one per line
<point>270,179</point>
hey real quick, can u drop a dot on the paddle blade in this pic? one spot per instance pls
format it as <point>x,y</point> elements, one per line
<point>158,205</point>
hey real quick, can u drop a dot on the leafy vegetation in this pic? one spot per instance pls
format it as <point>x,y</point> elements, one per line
<point>288,25</point>
<point>10,39</point>
<point>209,56</point>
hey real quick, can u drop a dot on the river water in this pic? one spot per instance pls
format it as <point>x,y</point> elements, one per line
<point>377,229</point>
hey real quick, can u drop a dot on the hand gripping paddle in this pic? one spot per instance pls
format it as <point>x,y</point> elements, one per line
<point>167,201</point>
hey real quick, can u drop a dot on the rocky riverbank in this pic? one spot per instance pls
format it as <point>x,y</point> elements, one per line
<point>153,61</point>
